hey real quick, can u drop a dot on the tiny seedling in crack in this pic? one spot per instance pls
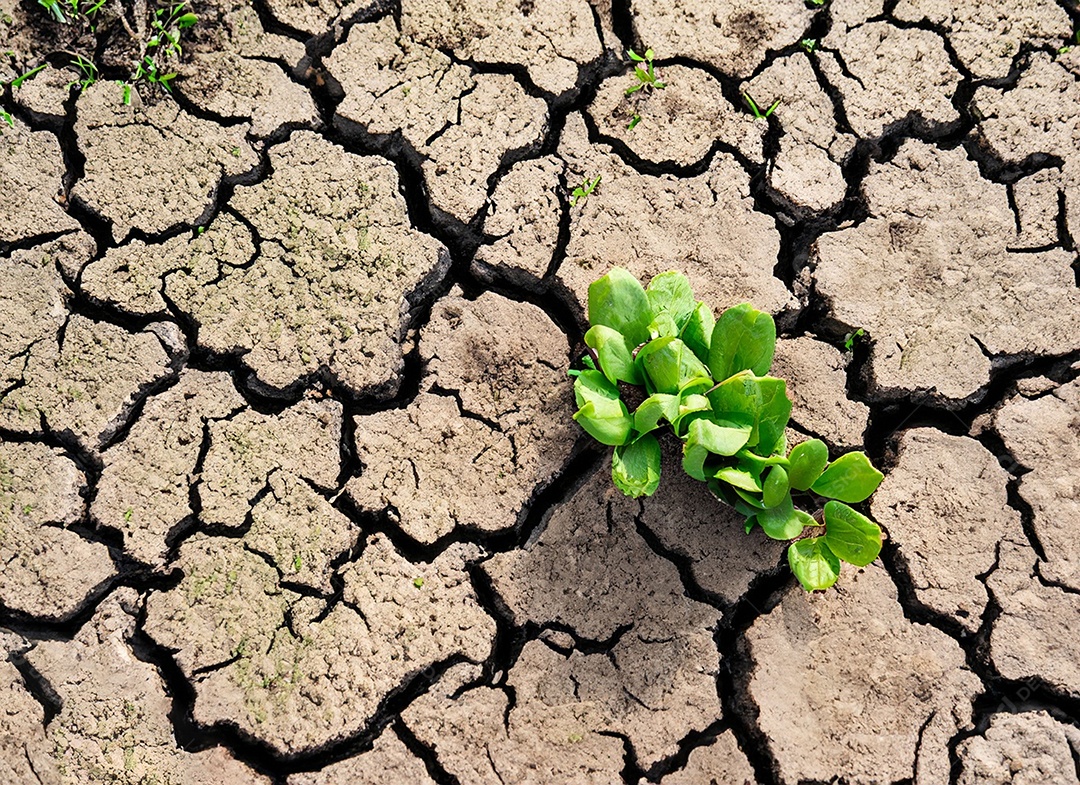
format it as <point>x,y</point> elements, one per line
<point>633,122</point>
<point>584,190</point>
<point>853,338</point>
<point>88,71</point>
<point>1074,41</point>
<point>758,114</point>
<point>418,583</point>
<point>815,3</point>
<point>808,45</point>
<point>707,388</point>
<point>17,82</point>
<point>646,75</point>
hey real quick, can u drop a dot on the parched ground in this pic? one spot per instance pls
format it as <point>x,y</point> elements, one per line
<point>289,489</point>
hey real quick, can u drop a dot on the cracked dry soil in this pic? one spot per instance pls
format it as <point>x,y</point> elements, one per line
<point>289,489</point>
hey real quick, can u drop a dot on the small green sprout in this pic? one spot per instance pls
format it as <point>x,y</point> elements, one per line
<point>646,76</point>
<point>808,45</point>
<point>706,384</point>
<point>297,563</point>
<point>129,513</point>
<point>88,70</point>
<point>633,122</point>
<point>1075,40</point>
<point>7,118</point>
<point>167,25</point>
<point>147,69</point>
<point>584,190</point>
<point>418,583</point>
<point>758,114</point>
<point>55,9</point>
<point>125,90</point>
<point>815,3</point>
<point>27,508</point>
<point>852,338</point>
<point>17,82</point>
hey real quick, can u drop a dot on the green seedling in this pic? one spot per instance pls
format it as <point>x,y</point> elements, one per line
<point>815,3</point>
<point>167,26</point>
<point>125,92</point>
<point>1075,40</point>
<point>582,191</point>
<point>147,69</point>
<point>7,118</point>
<point>705,382</point>
<point>76,9</point>
<point>758,114</point>
<point>646,76</point>
<point>17,82</point>
<point>55,10</point>
<point>633,122</point>
<point>852,338</point>
<point>418,583</point>
<point>808,45</point>
<point>88,70</point>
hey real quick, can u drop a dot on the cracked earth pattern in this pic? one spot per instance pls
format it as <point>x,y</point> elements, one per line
<point>289,489</point>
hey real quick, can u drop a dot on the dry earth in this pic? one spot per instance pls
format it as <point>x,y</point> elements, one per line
<point>289,489</point>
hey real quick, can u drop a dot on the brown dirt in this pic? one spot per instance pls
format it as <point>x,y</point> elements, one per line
<point>289,489</point>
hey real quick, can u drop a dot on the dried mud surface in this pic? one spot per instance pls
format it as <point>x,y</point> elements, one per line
<point>289,489</point>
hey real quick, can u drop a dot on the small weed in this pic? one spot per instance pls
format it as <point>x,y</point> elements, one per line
<point>418,583</point>
<point>815,3</point>
<point>167,26</point>
<point>808,45</point>
<point>297,563</point>
<point>584,190</point>
<point>76,9</point>
<point>706,384</point>
<point>88,70</point>
<point>852,338</point>
<point>147,69</point>
<point>633,122</point>
<point>7,118</point>
<point>646,76</point>
<point>27,508</point>
<point>758,114</point>
<point>125,92</point>
<point>17,82</point>
<point>1074,41</point>
<point>129,513</point>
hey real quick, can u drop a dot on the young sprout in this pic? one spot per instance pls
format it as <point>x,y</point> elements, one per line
<point>7,118</point>
<point>54,9</point>
<point>758,114</point>
<point>633,122</point>
<point>18,81</point>
<point>1072,42</point>
<point>646,76</point>
<point>815,3</point>
<point>125,92</point>
<point>582,191</point>
<point>88,70</point>
<point>808,45</point>
<point>852,338</point>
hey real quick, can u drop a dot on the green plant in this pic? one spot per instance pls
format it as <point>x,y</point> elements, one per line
<point>757,112</point>
<point>705,382</point>
<point>167,26</point>
<point>76,9</point>
<point>88,70</point>
<point>17,82</point>
<point>633,122</point>
<point>815,3</point>
<point>852,338</point>
<point>584,190</point>
<point>808,45</point>
<point>646,76</point>
<point>7,118</point>
<point>1075,40</point>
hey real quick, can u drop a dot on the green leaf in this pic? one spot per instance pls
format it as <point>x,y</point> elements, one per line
<point>618,301</point>
<point>602,414</point>
<point>851,536</point>
<point>807,462</point>
<point>782,521</point>
<point>775,488</point>
<point>635,56</point>
<point>689,404</point>
<point>763,399</point>
<point>670,293</point>
<point>187,20</point>
<point>697,333</point>
<point>635,468</point>
<point>669,364</point>
<point>614,353</point>
<point>655,408</point>
<point>751,500</point>
<point>850,478</point>
<point>719,436</point>
<point>743,339</point>
<point>813,563</point>
<point>605,420</point>
<point>739,478</point>
<point>663,326</point>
